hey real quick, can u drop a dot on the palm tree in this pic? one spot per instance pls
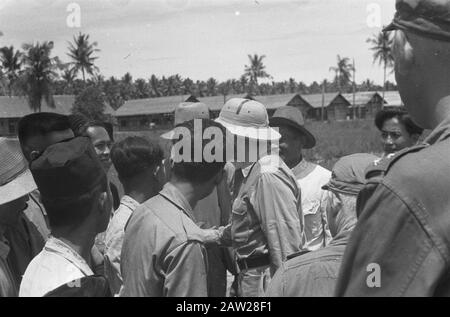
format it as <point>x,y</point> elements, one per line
<point>382,52</point>
<point>155,86</point>
<point>342,72</point>
<point>39,73</point>
<point>211,87</point>
<point>81,52</point>
<point>68,78</point>
<point>11,63</point>
<point>256,69</point>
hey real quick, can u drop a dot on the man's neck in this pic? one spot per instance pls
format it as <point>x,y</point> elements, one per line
<point>81,241</point>
<point>293,163</point>
<point>442,111</point>
<point>141,193</point>
<point>188,190</point>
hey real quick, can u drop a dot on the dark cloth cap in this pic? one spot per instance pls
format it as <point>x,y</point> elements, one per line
<point>429,18</point>
<point>348,175</point>
<point>293,117</point>
<point>67,169</point>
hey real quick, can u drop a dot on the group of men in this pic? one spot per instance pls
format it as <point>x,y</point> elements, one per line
<point>237,212</point>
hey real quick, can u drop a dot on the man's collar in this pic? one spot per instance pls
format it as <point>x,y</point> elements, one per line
<point>129,202</point>
<point>171,193</point>
<point>303,169</point>
<point>55,245</point>
<point>441,132</point>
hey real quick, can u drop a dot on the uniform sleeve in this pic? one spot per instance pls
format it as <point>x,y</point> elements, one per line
<point>390,252</point>
<point>278,208</point>
<point>224,199</point>
<point>186,271</point>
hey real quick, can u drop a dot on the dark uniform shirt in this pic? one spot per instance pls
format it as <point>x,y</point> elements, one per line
<point>401,244</point>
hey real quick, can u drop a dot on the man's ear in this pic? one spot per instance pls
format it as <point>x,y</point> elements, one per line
<point>403,53</point>
<point>103,202</point>
<point>219,177</point>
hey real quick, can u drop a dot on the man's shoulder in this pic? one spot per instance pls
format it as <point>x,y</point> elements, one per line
<point>157,216</point>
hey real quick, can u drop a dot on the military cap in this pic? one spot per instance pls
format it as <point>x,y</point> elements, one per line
<point>348,175</point>
<point>428,18</point>
<point>68,169</point>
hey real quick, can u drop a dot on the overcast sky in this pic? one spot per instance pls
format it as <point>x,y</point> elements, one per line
<point>208,38</point>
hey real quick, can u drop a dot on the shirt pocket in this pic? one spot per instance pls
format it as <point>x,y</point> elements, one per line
<point>240,228</point>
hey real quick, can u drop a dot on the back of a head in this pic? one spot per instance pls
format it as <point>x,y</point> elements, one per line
<point>133,155</point>
<point>70,179</point>
<point>41,123</point>
<point>199,154</point>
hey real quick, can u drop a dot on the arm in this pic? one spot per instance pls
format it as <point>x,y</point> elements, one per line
<point>391,246</point>
<point>278,209</point>
<point>186,271</point>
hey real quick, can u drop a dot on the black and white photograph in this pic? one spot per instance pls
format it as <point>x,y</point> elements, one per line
<point>236,151</point>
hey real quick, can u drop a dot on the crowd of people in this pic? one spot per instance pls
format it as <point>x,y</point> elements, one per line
<point>252,221</point>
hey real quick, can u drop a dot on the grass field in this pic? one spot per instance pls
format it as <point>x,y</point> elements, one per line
<point>334,139</point>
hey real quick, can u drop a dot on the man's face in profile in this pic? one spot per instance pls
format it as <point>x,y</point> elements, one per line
<point>35,145</point>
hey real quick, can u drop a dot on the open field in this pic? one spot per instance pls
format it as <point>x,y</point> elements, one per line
<point>334,139</point>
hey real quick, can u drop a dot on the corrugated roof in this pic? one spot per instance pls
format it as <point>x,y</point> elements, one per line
<point>215,103</point>
<point>361,98</point>
<point>17,107</point>
<point>392,99</point>
<point>149,106</point>
<point>316,100</point>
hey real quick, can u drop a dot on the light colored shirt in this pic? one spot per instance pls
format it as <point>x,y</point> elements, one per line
<point>310,178</point>
<point>163,253</point>
<point>114,240</point>
<point>267,215</point>
<point>8,285</point>
<point>56,265</point>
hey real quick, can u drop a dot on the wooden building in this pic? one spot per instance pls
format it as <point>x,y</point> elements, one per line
<point>364,105</point>
<point>334,106</point>
<point>14,108</point>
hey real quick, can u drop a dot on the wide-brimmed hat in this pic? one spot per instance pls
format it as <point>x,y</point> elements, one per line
<point>349,173</point>
<point>15,178</point>
<point>247,118</point>
<point>293,117</point>
<point>187,111</point>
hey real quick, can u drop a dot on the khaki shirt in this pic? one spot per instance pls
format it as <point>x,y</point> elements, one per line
<point>401,243</point>
<point>163,254</point>
<point>267,215</point>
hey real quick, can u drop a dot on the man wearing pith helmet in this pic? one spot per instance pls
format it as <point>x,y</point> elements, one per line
<point>401,244</point>
<point>310,177</point>
<point>267,220</point>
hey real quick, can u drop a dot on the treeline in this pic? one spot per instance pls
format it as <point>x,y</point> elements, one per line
<point>35,73</point>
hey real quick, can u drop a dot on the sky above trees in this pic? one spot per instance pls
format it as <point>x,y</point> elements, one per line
<point>207,38</point>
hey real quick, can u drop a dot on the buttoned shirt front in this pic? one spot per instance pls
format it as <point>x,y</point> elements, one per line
<point>267,217</point>
<point>310,178</point>
<point>8,285</point>
<point>56,265</point>
<point>114,240</point>
<point>401,243</point>
<point>163,253</point>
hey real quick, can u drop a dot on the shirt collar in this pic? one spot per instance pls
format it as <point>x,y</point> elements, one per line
<point>129,202</point>
<point>441,132</point>
<point>57,246</point>
<point>301,167</point>
<point>171,193</point>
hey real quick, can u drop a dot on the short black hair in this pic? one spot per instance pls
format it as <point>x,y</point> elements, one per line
<point>77,123</point>
<point>403,117</point>
<point>82,131</point>
<point>40,124</point>
<point>134,154</point>
<point>200,172</point>
<point>63,212</point>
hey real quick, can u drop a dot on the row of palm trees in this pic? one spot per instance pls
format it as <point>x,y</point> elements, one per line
<point>35,73</point>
